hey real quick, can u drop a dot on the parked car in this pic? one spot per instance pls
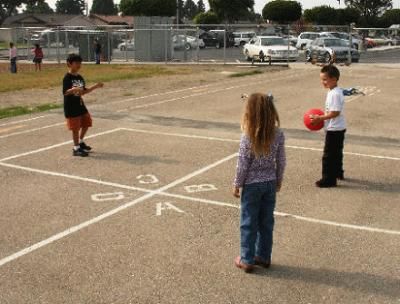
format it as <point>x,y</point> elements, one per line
<point>383,41</point>
<point>304,39</point>
<point>325,49</point>
<point>241,38</point>
<point>230,39</point>
<point>187,42</point>
<point>269,48</point>
<point>127,45</point>
<point>345,36</point>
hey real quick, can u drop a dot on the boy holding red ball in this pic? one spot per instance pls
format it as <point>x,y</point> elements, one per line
<point>335,126</point>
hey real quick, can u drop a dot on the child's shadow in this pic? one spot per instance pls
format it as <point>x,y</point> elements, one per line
<point>354,183</point>
<point>362,282</point>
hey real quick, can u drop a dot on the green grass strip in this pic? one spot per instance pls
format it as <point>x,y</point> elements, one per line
<point>17,111</point>
<point>247,73</point>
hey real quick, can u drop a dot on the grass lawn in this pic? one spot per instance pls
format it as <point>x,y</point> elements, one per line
<point>52,75</point>
<point>16,111</point>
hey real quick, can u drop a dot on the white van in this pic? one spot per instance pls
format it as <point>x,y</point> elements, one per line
<point>241,38</point>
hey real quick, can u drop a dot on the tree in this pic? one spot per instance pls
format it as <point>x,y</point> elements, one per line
<point>148,7</point>
<point>190,9</point>
<point>347,16</point>
<point>70,7</point>
<point>370,10</point>
<point>282,11</point>
<point>104,7</point>
<point>9,7</point>
<point>206,18</point>
<point>231,10</point>
<point>323,15</point>
<point>38,8</point>
<point>390,17</point>
<point>201,7</point>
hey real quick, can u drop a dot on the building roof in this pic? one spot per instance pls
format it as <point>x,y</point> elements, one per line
<point>114,19</point>
<point>50,20</point>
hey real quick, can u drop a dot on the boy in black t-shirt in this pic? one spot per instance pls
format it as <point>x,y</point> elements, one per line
<point>76,113</point>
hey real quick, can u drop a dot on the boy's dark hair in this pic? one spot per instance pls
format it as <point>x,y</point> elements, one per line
<point>331,71</point>
<point>74,58</point>
<point>11,44</point>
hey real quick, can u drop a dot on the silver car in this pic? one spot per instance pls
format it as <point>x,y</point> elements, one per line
<point>327,49</point>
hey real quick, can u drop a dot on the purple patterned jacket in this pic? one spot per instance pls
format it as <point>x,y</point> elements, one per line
<point>252,170</point>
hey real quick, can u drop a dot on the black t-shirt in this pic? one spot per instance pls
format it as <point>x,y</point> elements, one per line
<point>73,105</point>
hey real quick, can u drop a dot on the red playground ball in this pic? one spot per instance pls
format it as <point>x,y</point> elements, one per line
<point>307,120</point>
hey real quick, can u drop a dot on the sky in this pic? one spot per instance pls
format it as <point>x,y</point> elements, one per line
<point>260,3</point>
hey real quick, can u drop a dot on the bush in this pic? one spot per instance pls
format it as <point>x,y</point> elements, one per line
<point>206,18</point>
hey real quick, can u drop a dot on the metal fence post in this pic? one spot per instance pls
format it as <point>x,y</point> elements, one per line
<point>108,47</point>
<point>88,44</point>
<point>126,45</point>
<point>166,45</point>
<point>58,44</point>
<point>225,44</point>
<point>288,39</point>
<point>198,45</point>
<point>350,57</point>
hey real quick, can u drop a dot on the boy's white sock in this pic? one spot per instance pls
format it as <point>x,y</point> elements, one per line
<point>76,148</point>
<point>81,141</point>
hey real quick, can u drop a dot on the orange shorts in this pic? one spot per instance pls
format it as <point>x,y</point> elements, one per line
<point>80,122</point>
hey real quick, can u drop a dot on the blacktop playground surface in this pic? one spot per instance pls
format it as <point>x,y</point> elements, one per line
<point>149,216</point>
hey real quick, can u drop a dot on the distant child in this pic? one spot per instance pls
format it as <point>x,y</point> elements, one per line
<point>97,51</point>
<point>335,126</point>
<point>13,58</point>
<point>37,57</point>
<point>78,117</point>
<point>260,170</point>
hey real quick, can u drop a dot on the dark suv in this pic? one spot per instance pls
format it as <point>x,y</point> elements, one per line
<point>215,38</point>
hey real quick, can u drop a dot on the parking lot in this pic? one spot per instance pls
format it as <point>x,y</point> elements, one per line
<point>149,217</point>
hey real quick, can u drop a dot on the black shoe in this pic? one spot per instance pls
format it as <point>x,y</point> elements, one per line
<point>80,152</point>
<point>325,184</point>
<point>85,147</point>
<point>341,176</point>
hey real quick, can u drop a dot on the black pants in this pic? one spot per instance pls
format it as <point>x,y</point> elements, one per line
<point>332,161</point>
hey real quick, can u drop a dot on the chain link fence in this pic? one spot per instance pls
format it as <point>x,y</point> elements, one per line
<point>230,44</point>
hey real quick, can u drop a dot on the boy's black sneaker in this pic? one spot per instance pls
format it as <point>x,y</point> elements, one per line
<point>80,152</point>
<point>325,184</point>
<point>85,147</point>
<point>341,176</point>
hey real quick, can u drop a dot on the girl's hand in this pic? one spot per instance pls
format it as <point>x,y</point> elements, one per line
<point>99,85</point>
<point>236,192</point>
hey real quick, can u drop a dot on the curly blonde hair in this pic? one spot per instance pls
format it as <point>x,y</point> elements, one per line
<point>260,122</point>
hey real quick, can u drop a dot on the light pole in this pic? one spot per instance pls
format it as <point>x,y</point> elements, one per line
<point>177,14</point>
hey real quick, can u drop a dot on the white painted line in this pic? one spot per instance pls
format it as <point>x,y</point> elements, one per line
<point>23,120</point>
<point>180,135</point>
<point>110,213</point>
<point>54,146</point>
<point>236,141</point>
<point>246,85</point>
<point>297,217</point>
<point>74,177</point>
<point>200,200</point>
<point>179,91</point>
<point>32,130</point>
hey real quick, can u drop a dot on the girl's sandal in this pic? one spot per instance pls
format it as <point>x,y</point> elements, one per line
<point>246,267</point>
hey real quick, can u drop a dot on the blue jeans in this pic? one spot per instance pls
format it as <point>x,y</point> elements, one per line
<point>257,221</point>
<point>97,57</point>
<point>13,65</point>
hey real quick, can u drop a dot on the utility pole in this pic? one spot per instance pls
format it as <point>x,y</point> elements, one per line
<point>177,14</point>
